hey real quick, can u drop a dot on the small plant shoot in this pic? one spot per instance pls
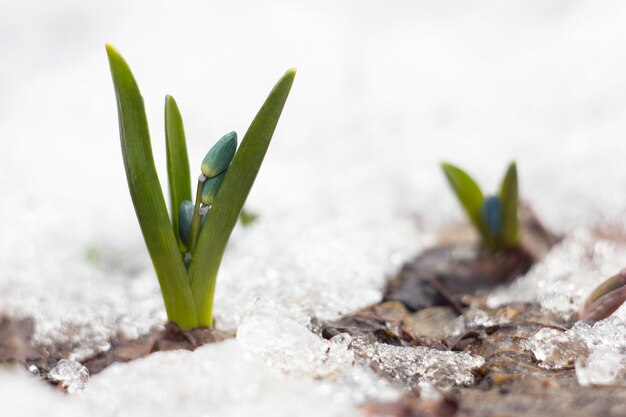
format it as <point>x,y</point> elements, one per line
<point>186,246</point>
<point>605,299</point>
<point>495,216</point>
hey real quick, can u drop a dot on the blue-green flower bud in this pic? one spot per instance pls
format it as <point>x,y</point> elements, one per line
<point>220,155</point>
<point>185,215</point>
<point>210,188</point>
<point>492,214</point>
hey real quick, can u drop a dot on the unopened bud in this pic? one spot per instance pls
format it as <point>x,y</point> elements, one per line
<point>210,188</point>
<point>492,214</point>
<point>185,216</point>
<point>220,155</point>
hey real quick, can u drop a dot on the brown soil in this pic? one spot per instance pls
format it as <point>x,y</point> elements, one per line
<point>171,338</point>
<point>16,346</point>
<point>443,275</point>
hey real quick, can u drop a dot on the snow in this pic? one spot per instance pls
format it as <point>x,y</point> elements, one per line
<point>218,380</point>
<point>602,367</point>
<point>597,350</point>
<point>23,394</point>
<point>415,366</point>
<point>568,274</point>
<point>350,187</point>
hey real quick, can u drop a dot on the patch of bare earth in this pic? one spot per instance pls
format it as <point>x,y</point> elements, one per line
<point>17,346</point>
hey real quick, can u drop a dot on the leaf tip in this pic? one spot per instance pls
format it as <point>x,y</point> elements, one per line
<point>512,167</point>
<point>111,51</point>
<point>447,168</point>
<point>170,102</point>
<point>287,78</point>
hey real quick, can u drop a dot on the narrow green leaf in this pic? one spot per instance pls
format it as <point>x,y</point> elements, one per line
<point>147,195</point>
<point>470,197</point>
<point>177,163</point>
<point>240,176</point>
<point>509,196</point>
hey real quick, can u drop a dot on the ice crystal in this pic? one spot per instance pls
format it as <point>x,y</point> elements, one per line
<point>473,318</point>
<point>555,349</point>
<point>411,366</point>
<point>598,351</point>
<point>72,375</point>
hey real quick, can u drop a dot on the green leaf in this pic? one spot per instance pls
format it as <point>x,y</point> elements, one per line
<point>147,195</point>
<point>239,178</point>
<point>247,218</point>
<point>509,197</point>
<point>177,163</point>
<point>471,198</point>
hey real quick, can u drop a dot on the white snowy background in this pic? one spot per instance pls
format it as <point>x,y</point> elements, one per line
<point>350,188</point>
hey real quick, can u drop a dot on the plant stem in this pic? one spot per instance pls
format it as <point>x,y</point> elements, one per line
<point>197,218</point>
<point>233,193</point>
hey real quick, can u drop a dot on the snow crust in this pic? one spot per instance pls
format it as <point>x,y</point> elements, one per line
<point>568,274</point>
<point>415,366</point>
<point>350,187</point>
<point>597,351</point>
<point>220,380</point>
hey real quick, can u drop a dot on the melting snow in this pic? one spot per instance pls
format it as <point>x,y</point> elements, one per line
<point>605,366</point>
<point>350,188</point>
<point>568,274</point>
<point>561,283</point>
<point>416,366</point>
<point>598,351</point>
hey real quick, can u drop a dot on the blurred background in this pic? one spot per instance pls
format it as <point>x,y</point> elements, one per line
<point>384,92</point>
